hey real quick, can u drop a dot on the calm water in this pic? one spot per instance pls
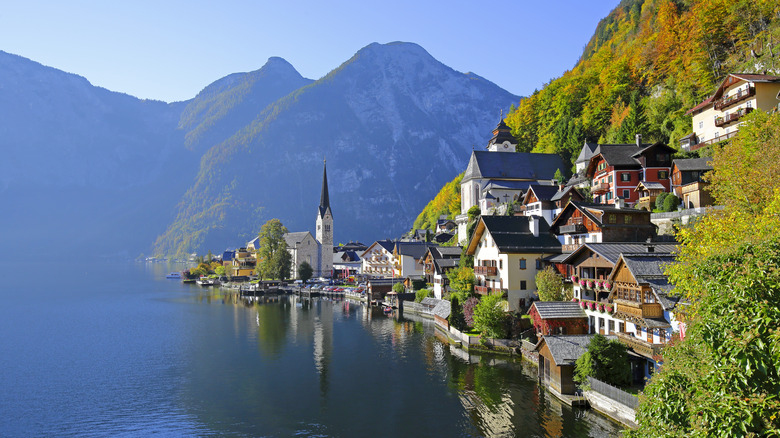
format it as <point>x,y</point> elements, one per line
<point>116,349</point>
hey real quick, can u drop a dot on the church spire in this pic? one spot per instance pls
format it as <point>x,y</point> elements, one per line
<point>324,198</point>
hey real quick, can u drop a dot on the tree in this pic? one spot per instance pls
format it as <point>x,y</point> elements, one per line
<point>422,294</point>
<point>659,201</point>
<point>305,271</point>
<point>220,270</point>
<point>671,202</point>
<point>549,286</point>
<point>559,176</point>
<point>456,315</point>
<point>490,318</point>
<point>399,288</point>
<point>605,360</point>
<point>273,259</point>
<point>462,281</point>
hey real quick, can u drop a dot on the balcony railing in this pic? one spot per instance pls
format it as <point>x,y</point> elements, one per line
<point>735,98</point>
<point>598,189</point>
<point>714,140</point>
<point>640,310</point>
<point>640,346</point>
<point>572,229</point>
<point>486,270</point>
<point>571,247</point>
<point>482,290</point>
<point>733,117</point>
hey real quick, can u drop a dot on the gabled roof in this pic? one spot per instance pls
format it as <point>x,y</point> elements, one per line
<point>730,79</point>
<point>588,149</point>
<point>512,166</point>
<point>693,164</point>
<point>443,308</point>
<point>561,193</point>
<point>566,349</point>
<point>387,245</point>
<point>650,185</point>
<point>658,145</point>
<point>596,212</point>
<point>542,192</point>
<point>346,257</point>
<point>443,237</point>
<point>618,154</point>
<point>513,234</point>
<point>611,251</point>
<point>293,239</point>
<point>559,310</point>
<point>647,269</point>
<point>412,249</point>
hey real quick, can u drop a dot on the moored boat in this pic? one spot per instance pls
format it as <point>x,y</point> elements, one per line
<point>173,275</point>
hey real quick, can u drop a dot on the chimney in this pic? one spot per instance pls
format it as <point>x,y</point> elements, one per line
<point>533,225</point>
<point>649,245</point>
<point>638,139</point>
<point>620,203</point>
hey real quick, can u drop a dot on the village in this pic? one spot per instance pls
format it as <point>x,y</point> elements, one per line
<point>606,233</point>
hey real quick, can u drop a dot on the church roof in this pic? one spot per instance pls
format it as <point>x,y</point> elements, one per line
<point>512,166</point>
<point>501,134</point>
<point>293,239</point>
<point>324,196</point>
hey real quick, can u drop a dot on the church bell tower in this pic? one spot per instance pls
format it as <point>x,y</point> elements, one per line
<point>325,228</point>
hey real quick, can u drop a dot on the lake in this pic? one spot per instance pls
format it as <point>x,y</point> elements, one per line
<point>115,349</point>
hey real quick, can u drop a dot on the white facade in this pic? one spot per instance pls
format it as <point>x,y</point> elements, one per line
<point>378,261</point>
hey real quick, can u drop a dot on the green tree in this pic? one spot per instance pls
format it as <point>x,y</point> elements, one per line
<point>659,201</point>
<point>273,259</point>
<point>559,176</point>
<point>220,270</point>
<point>605,360</point>
<point>456,314</point>
<point>305,271</point>
<point>671,202</point>
<point>549,286</point>
<point>490,318</point>
<point>399,288</point>
<point>462,281</point>
<point>422,294</point>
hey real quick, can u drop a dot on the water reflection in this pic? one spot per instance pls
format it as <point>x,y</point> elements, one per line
<point>340,368</point>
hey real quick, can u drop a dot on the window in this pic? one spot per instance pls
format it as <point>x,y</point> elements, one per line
<point>701,125</point>
<point>522,263</point>
<point>663,174</point>
<point>522,285</point>
<point>612,219</point>
<point>625,177</point>
<point>627,219</point>
<point>626,193</point>
<point>500,264</point>
<point>610,179</point>
<point>609,196</point>
<point>539,264</point>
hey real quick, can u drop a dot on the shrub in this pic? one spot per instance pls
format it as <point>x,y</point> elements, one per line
<point>468,311</point>
<point>490,318</point>
<point>421,295</point>
<point>399,288</point>
<point>456,315</point>
<point>671,202</point>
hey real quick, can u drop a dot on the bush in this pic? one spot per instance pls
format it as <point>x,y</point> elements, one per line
<point>468,311</point>
<point>421,295</point>
<point>605,360</point>
<point>456,315</point>
<point>549,286</point>
<point>671,202</point>
<point>490,318</point>
<point>399,288</point>
<point>659,201</point>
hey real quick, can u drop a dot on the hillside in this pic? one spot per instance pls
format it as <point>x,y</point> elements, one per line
<point>446,203</point>
<point>664,56</point>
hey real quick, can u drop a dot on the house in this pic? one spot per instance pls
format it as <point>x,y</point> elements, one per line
<point>563,196</point>
<point>558,318</point>
<point>378,259</point>
<point>581,222</point>
<point>408,258</point>
<point>558,356</point>
<point>508,252</point>
<point>648,193</point>
<point>437,261</point>
<point>500,175</point>
<point>444,225</point>
<point>717,118</point>
<point>616,169</point>
<point>579,179</point>
<point>537,201</point>
<point>644,308</point>
<point>378,288</point>
<point>688,182</point>
<point>346,264</point>
<point>243,263</point>
<point>303,247</point>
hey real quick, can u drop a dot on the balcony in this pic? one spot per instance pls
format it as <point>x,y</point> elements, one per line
<point>645,203</point>
<point>482,290</point>
<point>486,270</point>
<point>733,117</point>
<point>571,247</point>
<point>572,229</point>
<point>598,189</point>
<point>735,98</point>
<point>639,310</point>
<point>639,346</point>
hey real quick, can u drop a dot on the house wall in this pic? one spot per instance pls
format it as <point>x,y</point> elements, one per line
<point>561,377</point>
<point>378,262</point>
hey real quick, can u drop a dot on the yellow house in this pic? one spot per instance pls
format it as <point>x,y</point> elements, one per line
<point>244,263</point>
<point>718,117</point>
<point>508,252</point>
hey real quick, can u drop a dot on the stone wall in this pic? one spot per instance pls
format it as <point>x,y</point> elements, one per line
<point>612,408</point>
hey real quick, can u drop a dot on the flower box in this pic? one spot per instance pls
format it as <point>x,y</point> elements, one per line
<point>590,284</point>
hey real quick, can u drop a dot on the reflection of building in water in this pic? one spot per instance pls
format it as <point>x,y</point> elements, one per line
<point>323,342</point>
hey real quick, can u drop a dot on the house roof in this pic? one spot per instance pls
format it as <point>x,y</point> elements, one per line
<point>440,252</point>
<point>561,193</point>
<point>596,212</point>
<point>387,245</point>
<point>505,185</point>
<point>647,268</point>
<point>542,192</point>
<point>619,154</point>
<point>513,234</point>
<point>442,309</point>
<point>749,77</point>
<point>566,349</point>
<point>707,102</point>
<point>658,145</point>
<point>443,237</point>
<point>412,249</point>
<point>559,309</point>
<point>691,164</point>
<point>611,251</point>
<point>293,239</point>
<point>588,149</point>
<point>650,185</point>
<point>512,166</point>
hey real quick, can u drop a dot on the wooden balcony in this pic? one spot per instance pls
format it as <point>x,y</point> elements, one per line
<point>571,247</point>
<point>735,98</point>
<point>486,270</point>
<point>482,290</point>
<point>598,189</point>
<point>640,310</point>
<point>639,346</point>
<point>733,117</point>
<point>572,229</point>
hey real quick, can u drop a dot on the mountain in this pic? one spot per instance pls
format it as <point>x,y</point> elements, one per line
<point>393,123</point>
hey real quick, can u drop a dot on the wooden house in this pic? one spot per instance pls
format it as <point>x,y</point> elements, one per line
<point>689,184</point>
<point>558,356</point>
<point>558,318</point>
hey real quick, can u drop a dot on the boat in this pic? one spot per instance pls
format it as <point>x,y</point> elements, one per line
<point>173,275</point>
<point>205,281</point>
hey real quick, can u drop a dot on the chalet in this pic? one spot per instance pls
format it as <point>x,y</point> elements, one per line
<point>538,201</point>
<point>444,225</point>
<point>616,169</point>
<point>378,260</point>
<point>407,259</point>
<point>688,182</point>
<point>558,318</point>
<point>508,252</point>
<point>558,355</point>
<point>303,247</point>
<point>437,261</point>
<point>500,175</point>
<point>717,118</point>
<point>563,196</point>
<point>581,222</point>
<point>644,306</point>
<point>648,193</point>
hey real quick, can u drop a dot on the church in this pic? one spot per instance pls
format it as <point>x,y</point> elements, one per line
<point>318,252</point>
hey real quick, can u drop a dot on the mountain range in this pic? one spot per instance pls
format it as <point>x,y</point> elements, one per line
<point>94,171</point>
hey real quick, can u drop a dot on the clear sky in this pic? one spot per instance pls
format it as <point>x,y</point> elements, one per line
<point>171,49</point>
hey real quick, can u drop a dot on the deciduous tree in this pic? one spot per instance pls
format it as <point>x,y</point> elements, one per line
<point>273,259</point>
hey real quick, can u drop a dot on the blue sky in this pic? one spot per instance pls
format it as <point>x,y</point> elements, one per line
<point>170,50</point>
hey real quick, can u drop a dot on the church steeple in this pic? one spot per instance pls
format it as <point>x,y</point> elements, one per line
<point>324,198</point>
